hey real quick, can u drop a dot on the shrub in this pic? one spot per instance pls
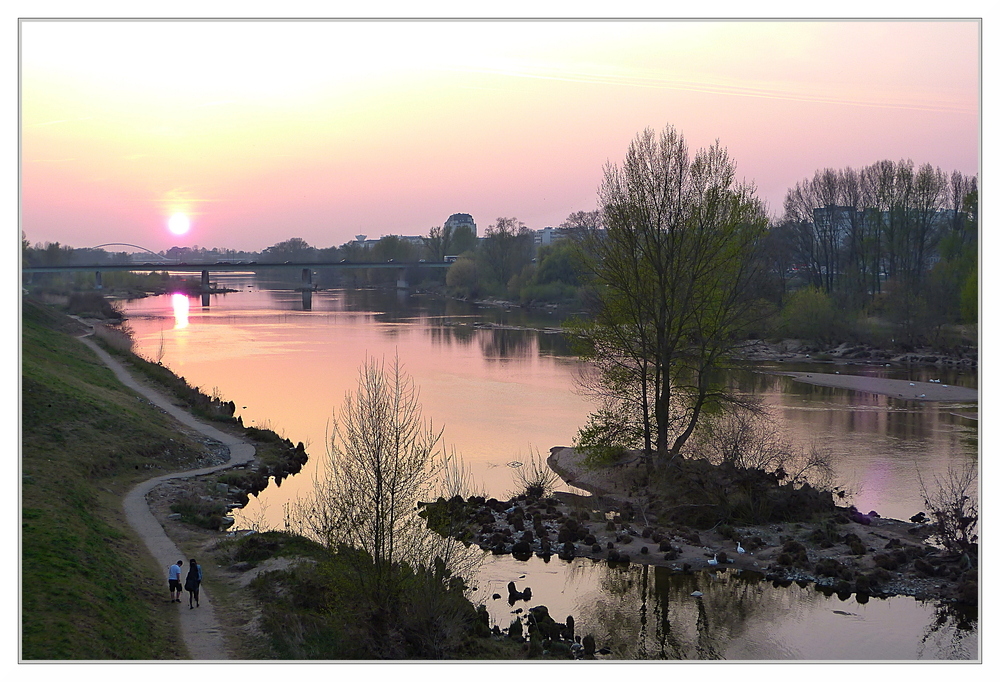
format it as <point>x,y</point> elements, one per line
<point>811,314</point>
<point>535,479</point>
<point>205,513</point>
<point>954,509</point>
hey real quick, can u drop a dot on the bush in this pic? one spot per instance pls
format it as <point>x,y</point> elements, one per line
<point>92,303</point>
<point>204,513</point>
<point>811,314</point>
<point>319,610</point>
<point>535,479</point>
<point>954,509</point>
<point>463,277</point>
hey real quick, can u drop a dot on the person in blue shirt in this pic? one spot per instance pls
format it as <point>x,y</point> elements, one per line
<point>174,580</point>
<point>192,583</point>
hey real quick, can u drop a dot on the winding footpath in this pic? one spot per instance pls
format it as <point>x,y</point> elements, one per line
<point>199,627</point>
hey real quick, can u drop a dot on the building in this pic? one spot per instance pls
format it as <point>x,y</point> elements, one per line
<point>547,235</point>
<point>456,220</point>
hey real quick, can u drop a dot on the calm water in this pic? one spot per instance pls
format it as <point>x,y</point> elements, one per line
<point>503,394</point>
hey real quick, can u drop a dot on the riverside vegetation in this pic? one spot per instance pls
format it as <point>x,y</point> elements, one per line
<point>86,440</point>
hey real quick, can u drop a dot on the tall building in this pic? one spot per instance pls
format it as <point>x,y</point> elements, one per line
<point>459,220</point>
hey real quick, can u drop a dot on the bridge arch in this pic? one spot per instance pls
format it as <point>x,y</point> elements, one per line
<point>134,246</point>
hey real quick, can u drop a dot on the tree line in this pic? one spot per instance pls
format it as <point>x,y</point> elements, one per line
<point>890,238</point>
<point>884,253</point>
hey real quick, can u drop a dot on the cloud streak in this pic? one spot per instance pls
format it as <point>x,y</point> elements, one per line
<point>791,93</point>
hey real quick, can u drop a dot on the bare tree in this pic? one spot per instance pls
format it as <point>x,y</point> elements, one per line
<point>382,460</point>
<point>439,242</point>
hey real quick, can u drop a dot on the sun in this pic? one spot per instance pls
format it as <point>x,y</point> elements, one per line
<point>179,223</point>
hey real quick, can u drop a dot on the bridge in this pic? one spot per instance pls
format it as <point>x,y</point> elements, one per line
<point>306,269</point>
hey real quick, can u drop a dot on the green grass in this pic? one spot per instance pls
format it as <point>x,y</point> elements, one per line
<point>89,590</point>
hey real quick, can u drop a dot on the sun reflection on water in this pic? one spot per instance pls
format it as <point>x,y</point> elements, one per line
<point>181,306</point>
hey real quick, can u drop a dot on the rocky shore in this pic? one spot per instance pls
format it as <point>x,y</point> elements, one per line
<point>793,350</point>
<point>843,552</point>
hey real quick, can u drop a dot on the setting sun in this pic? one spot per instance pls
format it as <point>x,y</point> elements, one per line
<point>179,223</point>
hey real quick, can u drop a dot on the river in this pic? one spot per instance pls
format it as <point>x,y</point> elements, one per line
<point>505,395</point>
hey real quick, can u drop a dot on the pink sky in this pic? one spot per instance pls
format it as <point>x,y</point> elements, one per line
<point>323,130</point>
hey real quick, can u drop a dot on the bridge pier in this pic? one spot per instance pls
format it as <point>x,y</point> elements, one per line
<point>307,276</point>
<point>307,299</point>
<point>205,284</point>
<point>98,284</point>
<point>401,282</point>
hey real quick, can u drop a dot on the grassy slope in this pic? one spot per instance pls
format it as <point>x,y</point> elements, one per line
<point>89,590</point>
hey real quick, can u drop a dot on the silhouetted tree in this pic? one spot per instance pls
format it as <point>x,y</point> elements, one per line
<point>674,276</point>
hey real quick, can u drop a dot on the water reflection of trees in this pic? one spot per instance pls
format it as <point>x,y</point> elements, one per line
<point>648,613</point>
<point>461,335</point>
<point>555,344</point>
<point>644,613</point>
<point>953,632</point>
<point>506,343</point>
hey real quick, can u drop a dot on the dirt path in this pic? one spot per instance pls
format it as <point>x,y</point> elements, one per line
<point>199,627</point>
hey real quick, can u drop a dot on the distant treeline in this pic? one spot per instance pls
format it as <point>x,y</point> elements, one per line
<point>885,254</point>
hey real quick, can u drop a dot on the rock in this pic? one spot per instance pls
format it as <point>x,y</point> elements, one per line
<point>589,646</point>
<point>857,517</point>
<point>521,550</point>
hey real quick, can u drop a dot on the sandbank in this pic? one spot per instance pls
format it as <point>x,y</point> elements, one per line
<point>894,388</point>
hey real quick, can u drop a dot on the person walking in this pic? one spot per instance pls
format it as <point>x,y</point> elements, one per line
<point>174,580</point>
<point>192,583</point>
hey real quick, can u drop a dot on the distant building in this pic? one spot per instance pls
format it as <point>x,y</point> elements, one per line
<point>547,235</point>
<point>456,220</point>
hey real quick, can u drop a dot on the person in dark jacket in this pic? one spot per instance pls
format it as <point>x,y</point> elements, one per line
<point>192,583</point>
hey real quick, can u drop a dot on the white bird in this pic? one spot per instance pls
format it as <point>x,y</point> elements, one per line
<point>923,395</point>
<point>739,549</point>
<point>696,593</point>
<point>714,561</point>
<point>912,384</point>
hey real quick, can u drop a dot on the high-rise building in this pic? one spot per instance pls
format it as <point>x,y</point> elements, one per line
<point>456,220</point>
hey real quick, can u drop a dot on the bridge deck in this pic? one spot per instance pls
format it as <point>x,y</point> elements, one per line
<point>227,267</point>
